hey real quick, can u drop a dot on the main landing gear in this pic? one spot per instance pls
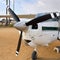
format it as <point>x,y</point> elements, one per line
<point>57,49</point>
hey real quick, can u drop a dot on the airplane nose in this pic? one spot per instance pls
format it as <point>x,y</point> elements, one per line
<point>20,26</point>
<point>16,25</point>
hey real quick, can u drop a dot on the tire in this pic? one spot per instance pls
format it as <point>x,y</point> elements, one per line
<point>34,55</point>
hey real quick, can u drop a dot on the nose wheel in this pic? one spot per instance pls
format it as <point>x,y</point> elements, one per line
<point>34,55</point>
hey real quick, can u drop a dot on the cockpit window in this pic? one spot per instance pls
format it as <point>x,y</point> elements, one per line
<point>40,14</point>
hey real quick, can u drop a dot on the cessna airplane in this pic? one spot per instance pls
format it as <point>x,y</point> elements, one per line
<point>41,30</point>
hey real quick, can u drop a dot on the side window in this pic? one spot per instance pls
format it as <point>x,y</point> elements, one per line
<point>35,26</point>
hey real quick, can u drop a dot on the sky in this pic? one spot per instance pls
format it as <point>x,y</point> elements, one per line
<point>31,6</point>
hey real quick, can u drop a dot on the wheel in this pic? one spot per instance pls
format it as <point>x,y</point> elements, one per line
<point>57,49</point>
<point>58,38</point>
<point>34,55</point>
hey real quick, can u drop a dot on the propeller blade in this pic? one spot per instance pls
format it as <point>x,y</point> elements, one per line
<point>39,19</point>
<point>13,14</point>
<point>19,44</point>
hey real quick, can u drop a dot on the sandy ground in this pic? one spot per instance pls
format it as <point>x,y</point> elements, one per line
<point>8,43</point>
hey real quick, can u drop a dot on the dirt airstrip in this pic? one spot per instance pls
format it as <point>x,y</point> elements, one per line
<point>8,43</point>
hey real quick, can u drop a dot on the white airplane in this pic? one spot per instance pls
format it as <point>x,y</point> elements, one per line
<point>41,30</point>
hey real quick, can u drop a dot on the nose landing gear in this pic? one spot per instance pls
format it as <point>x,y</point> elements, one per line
<point>34,55</point>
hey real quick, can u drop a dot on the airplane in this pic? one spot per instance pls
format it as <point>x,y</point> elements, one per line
<point>41,30</point>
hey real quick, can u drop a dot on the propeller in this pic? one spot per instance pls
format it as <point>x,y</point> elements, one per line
<point>13,14</point>
<point>17,20</point>
<point>19,43</point>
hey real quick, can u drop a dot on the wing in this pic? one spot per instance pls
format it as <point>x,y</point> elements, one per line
<point>42,18</point>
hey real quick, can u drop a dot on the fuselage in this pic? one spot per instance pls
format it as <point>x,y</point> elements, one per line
<point>41,33</point>
<point>46,32</point>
